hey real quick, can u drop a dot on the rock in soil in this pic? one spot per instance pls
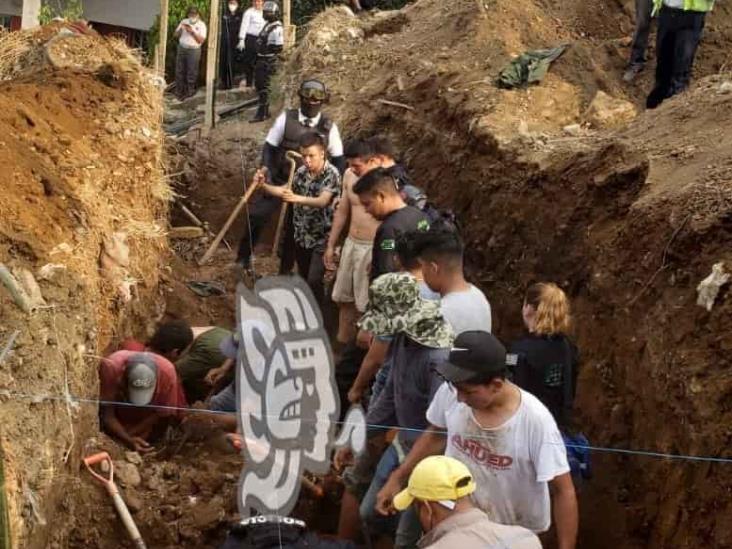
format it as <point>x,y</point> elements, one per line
<point>606,112</point>
<point>134,458</point>
<point>133,501</point>
<point>127,474</point>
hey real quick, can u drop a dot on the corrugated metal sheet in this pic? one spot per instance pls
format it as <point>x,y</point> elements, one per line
<point>134,14</point>
<point>11,7</point>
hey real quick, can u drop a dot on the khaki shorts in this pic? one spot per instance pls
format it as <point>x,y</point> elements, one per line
<point>352,281</point>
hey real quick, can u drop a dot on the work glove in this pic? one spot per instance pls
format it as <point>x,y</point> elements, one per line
<point>240,46</point>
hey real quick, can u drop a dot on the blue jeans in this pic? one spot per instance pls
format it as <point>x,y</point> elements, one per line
<point>224,400</point>
<point>380,381</point>
<point>405,524</point>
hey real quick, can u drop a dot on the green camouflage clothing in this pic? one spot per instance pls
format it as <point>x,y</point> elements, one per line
<point>396,306</point>
<point>312,225</point>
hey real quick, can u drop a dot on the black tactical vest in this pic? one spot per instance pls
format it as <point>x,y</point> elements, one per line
<point>294,130</point>
<point>263,48</point>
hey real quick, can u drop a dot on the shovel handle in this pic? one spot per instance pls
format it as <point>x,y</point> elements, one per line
<point>222,233</point>
<point>127,520</point>
<point>94,459</point>
<point>291,157</point>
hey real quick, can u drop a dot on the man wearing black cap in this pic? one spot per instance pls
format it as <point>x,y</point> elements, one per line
<point>504,435</point>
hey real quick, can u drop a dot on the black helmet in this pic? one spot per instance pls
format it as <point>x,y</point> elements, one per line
<point>271,11</point>
<point>313,90</point>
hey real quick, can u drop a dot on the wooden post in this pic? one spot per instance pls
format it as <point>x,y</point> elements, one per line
<point>5,540</point>
<point>287,23</point>
<point>31,10</point>
<point>163,41</point>
<point>212,62</point>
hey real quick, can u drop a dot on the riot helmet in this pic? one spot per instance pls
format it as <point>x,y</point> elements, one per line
<point>313,94</point>
<point>271,11</point>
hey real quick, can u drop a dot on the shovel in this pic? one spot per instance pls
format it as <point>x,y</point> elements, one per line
<point>229,222</point>
<point>292,158</point>
<point>119,503</point>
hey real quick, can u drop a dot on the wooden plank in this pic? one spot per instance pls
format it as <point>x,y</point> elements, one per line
<point>5,539</point>
<point>212,61</point>
<point>163,39</point>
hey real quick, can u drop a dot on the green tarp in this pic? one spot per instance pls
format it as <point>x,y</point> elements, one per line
<point>529,67</point>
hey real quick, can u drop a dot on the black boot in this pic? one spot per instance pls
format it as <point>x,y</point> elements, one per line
<point>261,114</point>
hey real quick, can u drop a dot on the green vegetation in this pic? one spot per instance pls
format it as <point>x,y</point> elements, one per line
<point>302,12</point>
<point>66,9</point>
<point>177,11</point>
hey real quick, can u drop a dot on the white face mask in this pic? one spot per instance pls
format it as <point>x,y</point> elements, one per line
<point>232,8</point>
<point>193,19</point>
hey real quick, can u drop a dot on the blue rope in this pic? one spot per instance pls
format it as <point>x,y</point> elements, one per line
<point>642,453</point>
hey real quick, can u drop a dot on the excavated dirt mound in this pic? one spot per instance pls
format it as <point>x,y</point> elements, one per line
<point>82,225</point>
<point>628,222</point>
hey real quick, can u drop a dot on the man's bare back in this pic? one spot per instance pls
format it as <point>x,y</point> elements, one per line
<point>363,225</point>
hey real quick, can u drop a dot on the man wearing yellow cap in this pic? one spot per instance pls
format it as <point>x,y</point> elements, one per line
<point>505,436</point>
<point>439,488</point>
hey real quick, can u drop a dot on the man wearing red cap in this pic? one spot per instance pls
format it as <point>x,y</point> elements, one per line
<point>137,391</point>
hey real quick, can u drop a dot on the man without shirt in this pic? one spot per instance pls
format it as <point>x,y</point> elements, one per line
<point>351,288</point>
<point>504,435</point>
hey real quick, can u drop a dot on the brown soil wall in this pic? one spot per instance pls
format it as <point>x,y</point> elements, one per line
<point>81,158</point>
<point>627,222</point>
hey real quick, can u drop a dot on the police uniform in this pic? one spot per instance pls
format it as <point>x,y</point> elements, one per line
<point>269,44</point>
<point>285,136</point>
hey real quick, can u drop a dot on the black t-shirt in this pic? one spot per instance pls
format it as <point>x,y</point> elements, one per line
<point>396,223</point>
<point>541,367</point>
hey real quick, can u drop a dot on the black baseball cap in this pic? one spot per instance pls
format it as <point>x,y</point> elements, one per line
<point>474,356</point>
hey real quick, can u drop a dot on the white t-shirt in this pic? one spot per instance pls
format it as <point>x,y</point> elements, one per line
<point>252,23</point>
<point>277,133</point>
<point>511,464</point>
<point>467,311</point>
<point>186,38</point>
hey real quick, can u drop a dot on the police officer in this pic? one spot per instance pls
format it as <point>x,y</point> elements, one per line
<point>269,44</point>
<point>285,136</point>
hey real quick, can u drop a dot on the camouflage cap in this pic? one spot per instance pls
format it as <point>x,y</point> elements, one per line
<point>395,305</point>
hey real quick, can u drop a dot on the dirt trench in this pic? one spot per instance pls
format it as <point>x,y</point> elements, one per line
<point>627,221</point>
<point>629,247</point>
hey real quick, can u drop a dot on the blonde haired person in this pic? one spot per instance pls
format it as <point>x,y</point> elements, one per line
<point>545,361</point>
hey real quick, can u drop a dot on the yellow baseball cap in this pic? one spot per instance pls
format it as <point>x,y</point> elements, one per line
<point>436,478</point>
